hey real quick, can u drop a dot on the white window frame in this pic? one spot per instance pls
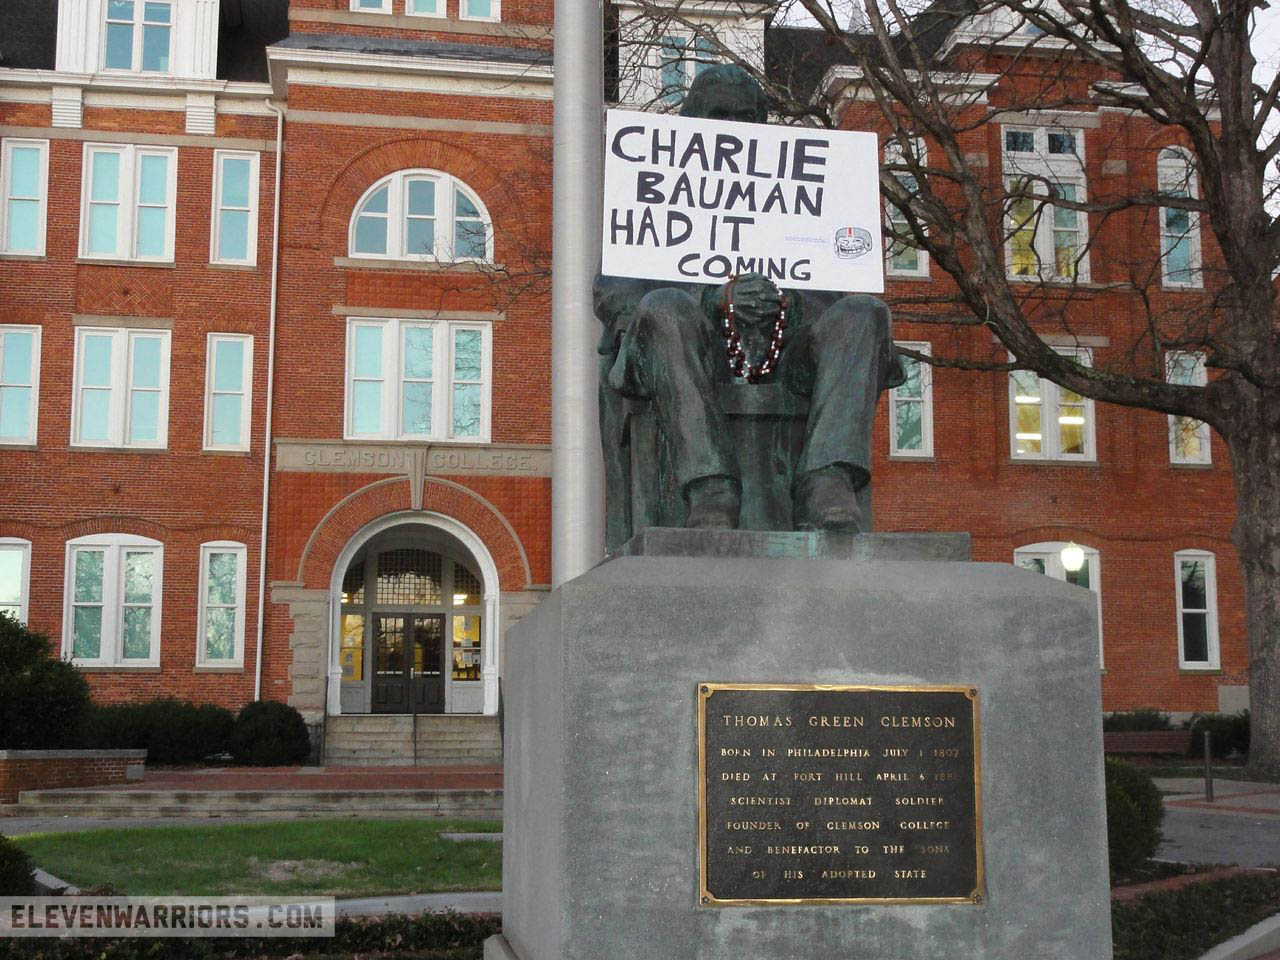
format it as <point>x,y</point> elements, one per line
<point>241,553</point>
<point>113,546</point>
<point>1180,171</point>
<point>33,415</point>
<point>926,406</point>
<point>121,380</point>
<point>246,391</point>
<point>439,14</point>
<point>1050,551</point>
<point>1200,377</point>
<point>215,220</point>
<point>1040,164</point>
<point>24,585</point>
<point>7,146</point>
<point>139,24</point>
<point>127,218</point>
<point>495,12</point>
<point>1049,400</point>
<point>385,7</point>
<point>893,155</point>
<point>392,379</point>
<point>1211,618</point>
<point>444,218</point>
<point>690,60</point>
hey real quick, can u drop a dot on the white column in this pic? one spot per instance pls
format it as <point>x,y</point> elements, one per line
<point>577,479</point>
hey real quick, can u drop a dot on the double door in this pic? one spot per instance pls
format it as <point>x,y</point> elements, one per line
<point>408,663</point>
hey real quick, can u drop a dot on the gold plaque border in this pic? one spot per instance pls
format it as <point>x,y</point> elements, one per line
<point>707,899</point>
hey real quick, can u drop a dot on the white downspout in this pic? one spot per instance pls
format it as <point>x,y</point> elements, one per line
<point>271,383</point>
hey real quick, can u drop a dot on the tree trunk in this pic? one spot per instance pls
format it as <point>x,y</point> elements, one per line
<point>1255,456</point>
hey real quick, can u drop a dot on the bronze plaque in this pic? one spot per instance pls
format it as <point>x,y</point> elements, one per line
<point>822,794</point>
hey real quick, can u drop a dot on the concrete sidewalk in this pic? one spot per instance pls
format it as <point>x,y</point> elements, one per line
<point>1241,826</point>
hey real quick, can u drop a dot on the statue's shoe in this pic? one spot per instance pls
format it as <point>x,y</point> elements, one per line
<point>714,503</point>
<point>826,500</point>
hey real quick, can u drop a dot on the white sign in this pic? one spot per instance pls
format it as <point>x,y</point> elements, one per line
<point>700,201</point>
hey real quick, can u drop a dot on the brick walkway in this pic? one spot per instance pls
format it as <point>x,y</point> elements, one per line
<point>321,778</point>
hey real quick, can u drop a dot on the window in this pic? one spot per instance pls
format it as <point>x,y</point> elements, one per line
<point>1179,228</point>
<point>221,615</point>
<point>1049,422</point>
<point>480,9</point>
<point>1195,583</point>
<point>424,8</point>
<point>19,383</point>
<point>904,259</point>
<point>1044,240</point>
<point>1046,558</point>
<point>137,35</point>
<point>24,178</point>
<point>111,614</point>
<point>421,214</point>
<point>15,576</point>
<point>228,399</point>
<point>681,59</point>
<point>235,208</point>
<point>371,6</point>
<point>911,408</point>
<point>127,206</point>
<point>418,380</point>
<point>121,388</point>
<point>1188,438</point>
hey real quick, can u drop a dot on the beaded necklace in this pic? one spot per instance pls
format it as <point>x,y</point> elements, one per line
<point>739,366</point>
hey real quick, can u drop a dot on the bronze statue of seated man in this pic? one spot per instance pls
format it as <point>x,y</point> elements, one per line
<point>672,344</point>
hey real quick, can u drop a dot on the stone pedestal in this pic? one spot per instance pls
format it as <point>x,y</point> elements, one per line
<point>601,777</point>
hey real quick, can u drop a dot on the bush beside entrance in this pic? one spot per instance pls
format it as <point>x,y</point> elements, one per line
<point>270,734</point>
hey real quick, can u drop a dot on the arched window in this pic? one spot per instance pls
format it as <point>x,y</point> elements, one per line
<point>1179,227</point>
<point>421,215</point>
<point>1046,558</point>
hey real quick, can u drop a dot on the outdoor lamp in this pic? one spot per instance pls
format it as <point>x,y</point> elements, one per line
<point>1072,557</point>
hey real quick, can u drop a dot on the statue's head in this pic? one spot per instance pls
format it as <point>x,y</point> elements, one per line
<point>724,91</point>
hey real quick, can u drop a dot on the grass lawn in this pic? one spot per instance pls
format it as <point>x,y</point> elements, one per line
<point>342,858</point>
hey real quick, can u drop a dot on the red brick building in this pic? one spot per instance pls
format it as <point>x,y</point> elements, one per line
<point>372,340</point>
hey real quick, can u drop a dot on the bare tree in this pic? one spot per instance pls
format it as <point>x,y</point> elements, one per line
<point>1190,166</point>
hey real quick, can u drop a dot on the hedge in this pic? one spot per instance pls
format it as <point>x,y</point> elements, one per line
<point>270,734</point>
<point>16,870</point>
<point>1228,733</point>
<point>171,731</point>
<point>42,699</point>
<point>1134,814</point>
<point>1130,720</point>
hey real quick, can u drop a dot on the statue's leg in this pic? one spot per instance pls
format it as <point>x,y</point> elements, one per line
<point>840,360</point>
<point>617,461</point>
<point>668,356</point>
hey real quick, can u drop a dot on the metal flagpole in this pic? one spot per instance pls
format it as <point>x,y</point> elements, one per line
<point>577,481</point>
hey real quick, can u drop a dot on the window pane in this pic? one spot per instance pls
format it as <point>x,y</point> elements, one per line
<point>88,576</point>
<point>235,181</point>
<point>102,228</point>
<point>462,205</point>
<point>137,633</point>
<point>466,410</point>
<point>10,576</point>
<point>418,349</point>
<point>144,416</point>
<point>1035,564</point>
<point>104,183</point>
<point>671,69</point>
<point>1189,439</point>
<point>469,239</point>
<point>1194,595</point>
<point>1195,637</point>
<point>421,199</point>
<point>119,48</point>
<point>351,648</point>
<point>233,235</point>
<point>1079,577</point>
<point>15,412</point>
<point>97,361</point>
<point>910,434</point>
<point>366,412</point>
<point>156,11</point>
<point>1019,141</point>
<point>422,6</point>
<point>1062,142</point>
<point>219,633</point>
<point>226,420</point>
<point>24,226</point>
<point>94,408</point>
<point>905,259</point>
<point>16,351</point>
<point>1183,369</point>
<point>368,343</point>
<point>222,578</point>
<point>24,172</point>
<point>377,202</point>
<point>86,638</point>
<point>420,237</point>
<point>409,577</point>
<point>371,234</point>
<point>153,178</point>
<point>119,9</point>
<point>466,648</point>
<point>1177,254</point>
<point>139,570</point>
<point>146,362</point>
<point>478,8</point>
<point>155,48</point>
<point>228,365</point>
<point>913,386</point>
<point>416,411</point>
<point>151,231</point>
<point>467,346</point>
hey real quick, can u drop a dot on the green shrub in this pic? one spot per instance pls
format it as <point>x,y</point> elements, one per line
<point>1134,814</point>
<point>1146,718</point>
<point>16,877</point>
<point>171,731</point>
<point>42,699</point>
<point>1228,733</point>
<point>270,734</point>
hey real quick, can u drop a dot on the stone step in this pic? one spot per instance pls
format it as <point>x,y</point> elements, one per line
<point>362,759</point>
<point>437,721</point>
<point>449,736</point>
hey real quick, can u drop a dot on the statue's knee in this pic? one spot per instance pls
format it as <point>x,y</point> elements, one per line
<point>666,314</point>
<point>860,313</point>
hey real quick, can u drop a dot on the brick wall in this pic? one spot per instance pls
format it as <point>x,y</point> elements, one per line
<point>50,769</point>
